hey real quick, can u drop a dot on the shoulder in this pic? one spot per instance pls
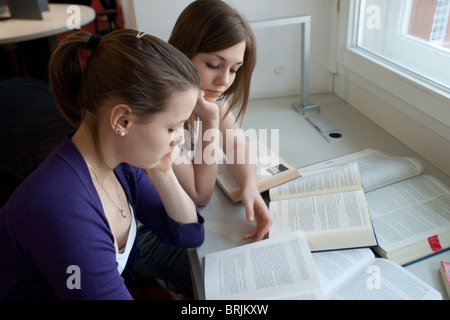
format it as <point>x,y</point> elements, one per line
<point>59,187</point>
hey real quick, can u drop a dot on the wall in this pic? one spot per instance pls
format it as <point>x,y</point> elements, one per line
<point>276,46</point>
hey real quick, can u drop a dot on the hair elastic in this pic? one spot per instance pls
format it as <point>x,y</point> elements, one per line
<point>140,34</point>
<point>93,42</point>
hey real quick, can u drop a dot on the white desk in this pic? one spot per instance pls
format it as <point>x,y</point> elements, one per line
<point>54,22</point>
<point>302,145</point>
<point>26,45</point>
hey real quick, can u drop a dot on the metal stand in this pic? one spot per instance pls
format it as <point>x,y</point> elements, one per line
<point>305,22</point>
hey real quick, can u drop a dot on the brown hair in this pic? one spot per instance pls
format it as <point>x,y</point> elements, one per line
<point>141,72</point>
<point>207,26</point>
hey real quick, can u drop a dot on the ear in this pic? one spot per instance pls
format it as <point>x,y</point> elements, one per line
<point>119,120</point>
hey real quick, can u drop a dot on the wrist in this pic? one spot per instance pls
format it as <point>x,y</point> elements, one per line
<point>249,185</point>
<point>157,175</point>
<point>211,121</point>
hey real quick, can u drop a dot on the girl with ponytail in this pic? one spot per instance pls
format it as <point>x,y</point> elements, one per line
<point>70,230</point>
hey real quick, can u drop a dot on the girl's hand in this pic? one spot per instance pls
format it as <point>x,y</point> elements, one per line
<point>179,206</point>
<point>164,165</point>
<point>206,109</point>
<point>256,209</point>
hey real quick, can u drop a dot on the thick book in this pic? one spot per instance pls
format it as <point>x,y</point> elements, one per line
<point>271,170</point>
<point>444,270</point>
<point>327,205</point>
<point>410,210</point>
<point>356,274</point>
<point>280,268</point>
<point>284,268</point>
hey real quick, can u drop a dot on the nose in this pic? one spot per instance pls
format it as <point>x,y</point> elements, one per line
<point>224,78</point>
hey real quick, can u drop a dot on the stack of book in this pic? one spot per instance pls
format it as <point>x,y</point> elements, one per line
<point>325,224</point>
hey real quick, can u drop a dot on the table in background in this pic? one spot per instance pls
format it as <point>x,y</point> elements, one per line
<point>301,145</point>
<point>26,45</point>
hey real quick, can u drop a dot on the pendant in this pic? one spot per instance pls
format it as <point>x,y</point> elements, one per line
<point>123,213</point>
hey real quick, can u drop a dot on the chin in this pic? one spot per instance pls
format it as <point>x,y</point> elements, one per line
<point>211,99</point>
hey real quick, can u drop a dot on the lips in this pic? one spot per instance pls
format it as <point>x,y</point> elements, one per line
<point>214,93</point>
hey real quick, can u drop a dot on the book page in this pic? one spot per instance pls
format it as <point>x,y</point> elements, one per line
<point>324,181</point>
<point>409,211</point>
<point>335,268</point>
<point>281,268</point>
<point>321,216</point>
<point>385,280</point>
<point>271,170</point>
<point>320,213</point>
<point>377,169</point>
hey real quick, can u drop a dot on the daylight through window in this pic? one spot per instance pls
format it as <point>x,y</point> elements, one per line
<point>411,34</point>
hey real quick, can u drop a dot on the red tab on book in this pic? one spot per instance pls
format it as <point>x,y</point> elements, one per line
<point>435,245</point>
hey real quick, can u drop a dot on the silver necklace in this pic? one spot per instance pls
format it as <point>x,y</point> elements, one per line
<point>121,211</point>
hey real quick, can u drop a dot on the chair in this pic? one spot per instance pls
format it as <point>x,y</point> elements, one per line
<point>30,127</point>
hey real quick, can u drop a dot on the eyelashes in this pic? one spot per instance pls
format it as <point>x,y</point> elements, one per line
<point>180,127</point>
<point>213,67</point>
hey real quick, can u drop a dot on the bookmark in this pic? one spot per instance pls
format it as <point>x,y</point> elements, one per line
<point>434,243</point>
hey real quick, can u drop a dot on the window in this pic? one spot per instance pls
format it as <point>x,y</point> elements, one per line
<point>440,33</point>
<point>374,76</point>
<point>413,35</point>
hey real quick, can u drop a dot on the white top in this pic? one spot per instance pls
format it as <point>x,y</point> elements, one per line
<point>122,256</point>
<point>194,132</point>
<point>191,144</point>
<point>55,21</point>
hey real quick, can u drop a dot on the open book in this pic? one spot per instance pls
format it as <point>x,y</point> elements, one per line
<point>328,206</point>
<point>280,268</point>
<point>356,274</point>
<point>410,211</point>
<point>271,170</point>
<point>284,268</point>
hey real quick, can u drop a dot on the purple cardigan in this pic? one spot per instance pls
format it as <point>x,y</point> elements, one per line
<point>55,220</point>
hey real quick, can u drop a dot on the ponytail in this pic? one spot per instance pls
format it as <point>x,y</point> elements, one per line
<point>65,72</point>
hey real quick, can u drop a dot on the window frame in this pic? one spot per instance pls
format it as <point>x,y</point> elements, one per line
<point>398,44</point>
<point>425,96</point>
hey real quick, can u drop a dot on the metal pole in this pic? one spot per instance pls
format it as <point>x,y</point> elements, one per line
<point>305,104</point>
<point>305,40</point>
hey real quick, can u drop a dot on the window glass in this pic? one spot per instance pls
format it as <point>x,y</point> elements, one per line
<point>411,34</point>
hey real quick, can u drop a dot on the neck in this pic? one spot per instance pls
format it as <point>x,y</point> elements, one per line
<point>83,139</point>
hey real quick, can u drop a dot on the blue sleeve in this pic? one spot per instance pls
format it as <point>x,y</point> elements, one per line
<point>150,211</point>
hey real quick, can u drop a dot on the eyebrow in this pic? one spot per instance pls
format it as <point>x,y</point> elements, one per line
<point>225,60</point>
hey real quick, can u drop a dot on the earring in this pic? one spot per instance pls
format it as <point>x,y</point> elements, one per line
<point>120,133</point>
